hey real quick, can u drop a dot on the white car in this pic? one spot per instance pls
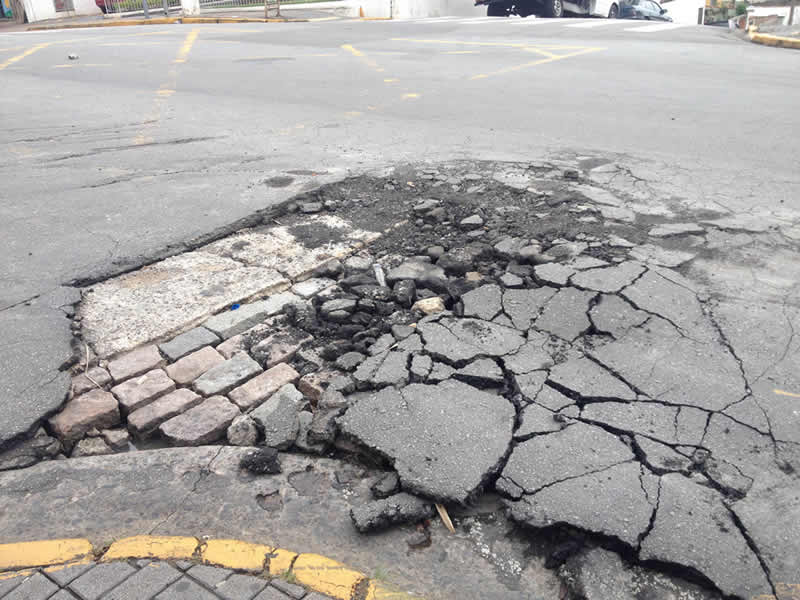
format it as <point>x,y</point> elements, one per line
<point>551,8</point>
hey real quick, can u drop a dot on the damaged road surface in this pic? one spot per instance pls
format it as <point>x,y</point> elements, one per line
<point>540,340</point>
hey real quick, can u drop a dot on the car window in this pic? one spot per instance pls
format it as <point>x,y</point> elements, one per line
<point>656,7</point>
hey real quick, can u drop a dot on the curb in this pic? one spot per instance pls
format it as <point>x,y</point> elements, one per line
<point>774,40</point>
<point>163,21</point>
<point>319,573</point>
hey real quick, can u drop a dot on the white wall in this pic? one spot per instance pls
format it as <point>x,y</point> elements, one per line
<point>40,10</point>
<point>436,8</point>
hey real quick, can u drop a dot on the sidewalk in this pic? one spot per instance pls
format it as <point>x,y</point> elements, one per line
<point>173,568</point>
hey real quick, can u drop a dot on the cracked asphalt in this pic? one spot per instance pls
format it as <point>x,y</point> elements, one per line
<point>674,379</point>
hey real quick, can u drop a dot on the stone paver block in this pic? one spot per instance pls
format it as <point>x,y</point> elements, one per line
<point>35,587</point>
<point>280,347</point>
<point>209,575</point>
<point>93,409</point>
<point>186,589</point>
<point>135,363</point>
<point>82,383</point>
<point>240,587</point>
<point>146,420</point>
<point>94,446</point>
<point>117,439</point>
<point>203,424</point>
<point>227,375</point>
<point>311,287</point>
<point>145,583</point>
<point>232,346</point>
<point>242,431</point>
<point>188,342</point>
<point>6,585</point>
<point>63,576</point>
<point>293,591</point>
<point>102,578</point>
<point>191,366</point>
<point>313,385</point>
<point>142,390</point>
<point>232,322</point>
<point>279,417</point>
<point>63,595</point>
<point>271,593</point>
<point>261,387</point>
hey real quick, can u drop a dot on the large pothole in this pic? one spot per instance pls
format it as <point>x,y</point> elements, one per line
<point>470,328</point>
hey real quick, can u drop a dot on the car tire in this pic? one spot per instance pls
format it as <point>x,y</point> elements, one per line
<point>496,10</point>
<point>554,9</point>
<point>613,12</point>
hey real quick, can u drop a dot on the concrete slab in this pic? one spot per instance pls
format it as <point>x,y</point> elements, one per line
<point>167,297</point>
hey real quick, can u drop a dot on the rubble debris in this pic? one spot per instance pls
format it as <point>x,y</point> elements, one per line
<point>395,510</point>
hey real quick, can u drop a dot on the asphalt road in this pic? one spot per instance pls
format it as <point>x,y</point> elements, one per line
<point>158,134</point>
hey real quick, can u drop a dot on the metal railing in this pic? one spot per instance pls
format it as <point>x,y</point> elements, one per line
<point>124,6</point>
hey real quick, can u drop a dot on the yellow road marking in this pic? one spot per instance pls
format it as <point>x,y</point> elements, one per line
<point>454,42</point>
<point>152,546</point>
<point>410,96</point>
<point>534,63</point>
<point>326,576</point>
<point>280,561</point>
<point>235,554</point>
<point>391,80</point>
<point>19,57</point>
<point>43,553</point>
<point>352,113</point>
<point>320,19</point>
<point>542,52</point>
<point>364,58</point>
<point>187,46</point>
<point>353,51</point>
<point>784,393</point>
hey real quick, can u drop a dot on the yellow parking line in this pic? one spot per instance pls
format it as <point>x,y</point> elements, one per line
<point>19,57</point>
<point>784,393</point>
<point>534,63</point>
<point>364,58</point>
<point>542,52</point>
<point>187,46</point>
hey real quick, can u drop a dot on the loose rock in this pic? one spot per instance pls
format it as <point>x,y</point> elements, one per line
<point>394,510</point>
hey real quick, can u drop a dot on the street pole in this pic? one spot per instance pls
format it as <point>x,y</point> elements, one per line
<point>791,13</point>
<point>146,11</point>
<point>166,8</point>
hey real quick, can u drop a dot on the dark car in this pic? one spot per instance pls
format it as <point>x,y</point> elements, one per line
<point>643,9</point>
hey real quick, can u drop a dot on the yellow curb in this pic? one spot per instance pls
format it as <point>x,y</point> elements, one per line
<point>152,546</point>
<point>319,573</point>
<point>280,561</point>
<point>326,576</point>
<point>774,40</point>
<point>235,554</point>
<point>43,553</point>
<point>125,23</point>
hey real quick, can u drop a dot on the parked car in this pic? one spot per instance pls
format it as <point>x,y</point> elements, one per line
<point>550,8</point>
<point>643,9</point>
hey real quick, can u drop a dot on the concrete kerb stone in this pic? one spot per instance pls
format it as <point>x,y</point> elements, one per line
<point>774,40</point>
<point>313,571</point>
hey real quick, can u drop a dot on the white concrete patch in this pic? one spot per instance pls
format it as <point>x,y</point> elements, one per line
<point>175,294</point>
<point>168,297</point>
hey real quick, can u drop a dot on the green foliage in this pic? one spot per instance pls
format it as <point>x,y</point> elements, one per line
<point>741,8</point>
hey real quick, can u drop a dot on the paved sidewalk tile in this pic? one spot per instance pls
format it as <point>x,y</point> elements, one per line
<point>210,576</point>
<point>96,582</point>
<point>186,589</point>
<point>64,576</point>
<point>64,595</point>
<point>295,591</point>
<point>146,583</point>
<point>35,587</point>
<point>6,585</point>
<point>270,593</point>
<point>240,587</point>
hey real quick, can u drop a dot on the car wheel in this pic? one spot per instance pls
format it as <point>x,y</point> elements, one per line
<point>554,8</point>
<point>496,10</point>
<point>613,12</point>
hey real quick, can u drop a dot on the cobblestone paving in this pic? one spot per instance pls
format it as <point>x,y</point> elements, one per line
<point>146,580</point>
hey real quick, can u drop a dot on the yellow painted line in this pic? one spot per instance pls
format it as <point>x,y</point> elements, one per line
<point>19,57</point>
<point>280,561</point>
<point>152,546</point>
<point>43,553</point>
<point>4,576</point>
<point>774,40</point>
<point>352,50</point>
<point>56,568</point>
<point>380,591</point>
<point>326,576</point>
<point>542,52</point>
<point>410,96</point>
<point>353,113</point>
<point>535,63</point>
<point>235,554</point>
<point>784,393</point>
<point>390,80</point>
<point>454,42</point>
<point>187,46</point>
